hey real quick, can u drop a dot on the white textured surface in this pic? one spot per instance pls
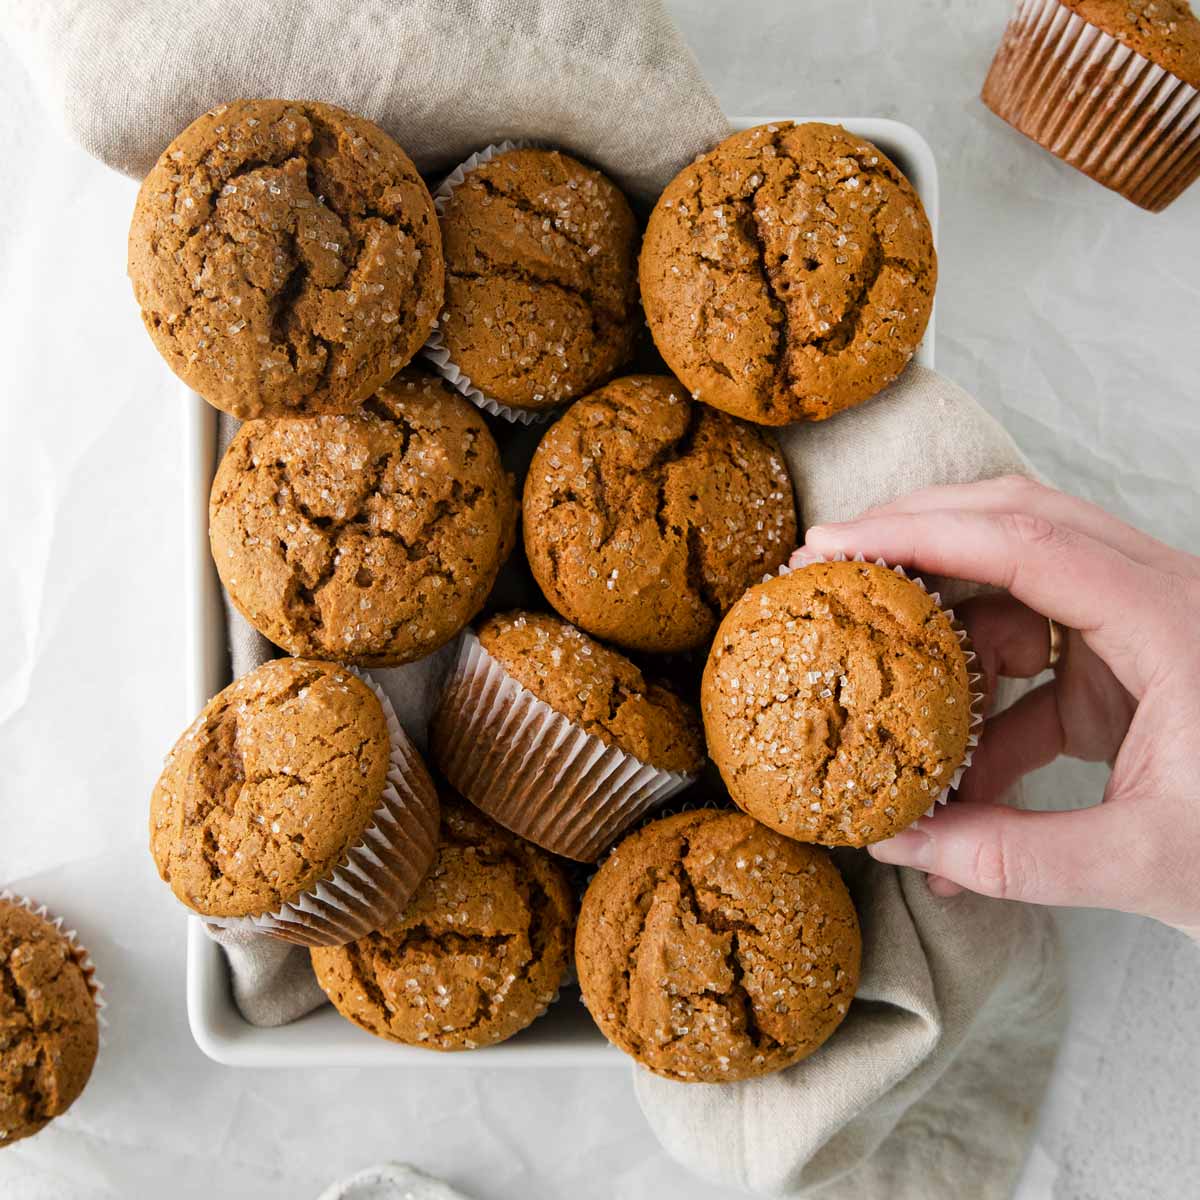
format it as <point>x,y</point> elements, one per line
<point>1069,313</point>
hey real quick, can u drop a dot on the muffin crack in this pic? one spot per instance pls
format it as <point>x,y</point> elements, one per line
<point>525,208</point>
<point>697,577</point>
<point>301,596</point>
<point>737,1000</point>
<point>602,322</point>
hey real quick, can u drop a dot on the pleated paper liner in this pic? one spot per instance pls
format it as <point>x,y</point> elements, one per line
<point>77,951</point>
<point>533,770</point>
<point>1097,104</point>
<point>974,674</point>
<point>435,346</point>
<point>379,874</point>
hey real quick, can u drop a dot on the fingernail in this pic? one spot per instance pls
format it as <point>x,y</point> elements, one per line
<point>803,556</point>
<point>912,848</point>
<point>824,531</point>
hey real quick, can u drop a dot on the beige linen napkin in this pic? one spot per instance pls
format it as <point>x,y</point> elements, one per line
<point>614,82</point>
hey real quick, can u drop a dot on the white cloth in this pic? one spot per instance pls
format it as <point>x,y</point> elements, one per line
<point>613,82</point>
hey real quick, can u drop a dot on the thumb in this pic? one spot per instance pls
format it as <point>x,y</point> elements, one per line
<point>1092,857</point>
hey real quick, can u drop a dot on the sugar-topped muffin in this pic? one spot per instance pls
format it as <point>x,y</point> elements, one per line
<point>647,515</point>
<point>541,290</point>
<point>837,702</point>
<point>596,688</point>
<point>286,258</point>
<point>477,955</point>
<point>559,738</point>
<point>294,776</point>
<point>789,273</point>
<point>371,538</point>
<point>712,949</point>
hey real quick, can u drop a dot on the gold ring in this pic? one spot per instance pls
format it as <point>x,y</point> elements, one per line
<point>1056,643</point>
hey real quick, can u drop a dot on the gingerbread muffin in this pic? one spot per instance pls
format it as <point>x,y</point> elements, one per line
<point>371,538</point>
<point>712,949</point>
<point>647,515</point>
<point>49,1032</point>
<point>789,273</point>
<point>295,806</point>
<point>1110,86</point>
<point>837,703</point>
<point>541,292</point>
<point>559,738</point>
<point>477,955</point>
<point>286,257</point>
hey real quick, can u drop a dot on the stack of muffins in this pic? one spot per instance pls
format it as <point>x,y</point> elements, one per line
<point>291,264</point>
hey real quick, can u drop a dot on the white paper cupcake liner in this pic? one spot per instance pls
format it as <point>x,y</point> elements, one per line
<point>379,874</point>
<point>974,675</point>
<point>1094,102</point>
<point>79,952</point>
<point>435,346</point>
<point>533,770</point>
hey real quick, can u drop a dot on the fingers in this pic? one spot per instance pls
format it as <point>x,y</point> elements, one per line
<point>1088,857</point>
<point>1021,739</point>
<point>1009,637</point>
<point>1016,493</point>
<point>943,887</point>
<point>1073,578</point>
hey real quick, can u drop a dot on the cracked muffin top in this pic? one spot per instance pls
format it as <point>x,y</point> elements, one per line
<point>647,515</point>
<point>541,291</point>
<point>49,1033</point>
<point>478,954</point>
<point>371,538</point>
<point>712,949</point>
<point>286,258</point>
<point>268,789</point>
<point>837,703</point>
<point>598,689</point>
<point>789,273</point>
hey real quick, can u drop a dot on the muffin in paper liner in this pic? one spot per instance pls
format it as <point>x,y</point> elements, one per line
<point>1096,103</point>
<point>454,942</point>
<point>379,874</point>
<point>532,769</point>
<point>79,952</point>
<point>435,347</point>
<point>978,698</point>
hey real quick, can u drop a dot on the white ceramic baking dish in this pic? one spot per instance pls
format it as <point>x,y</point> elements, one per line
<point>565,1037</point>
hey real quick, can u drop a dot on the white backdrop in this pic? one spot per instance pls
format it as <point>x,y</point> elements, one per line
<point>1073,316</point>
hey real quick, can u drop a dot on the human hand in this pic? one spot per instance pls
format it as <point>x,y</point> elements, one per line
<point>1126,690</point>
